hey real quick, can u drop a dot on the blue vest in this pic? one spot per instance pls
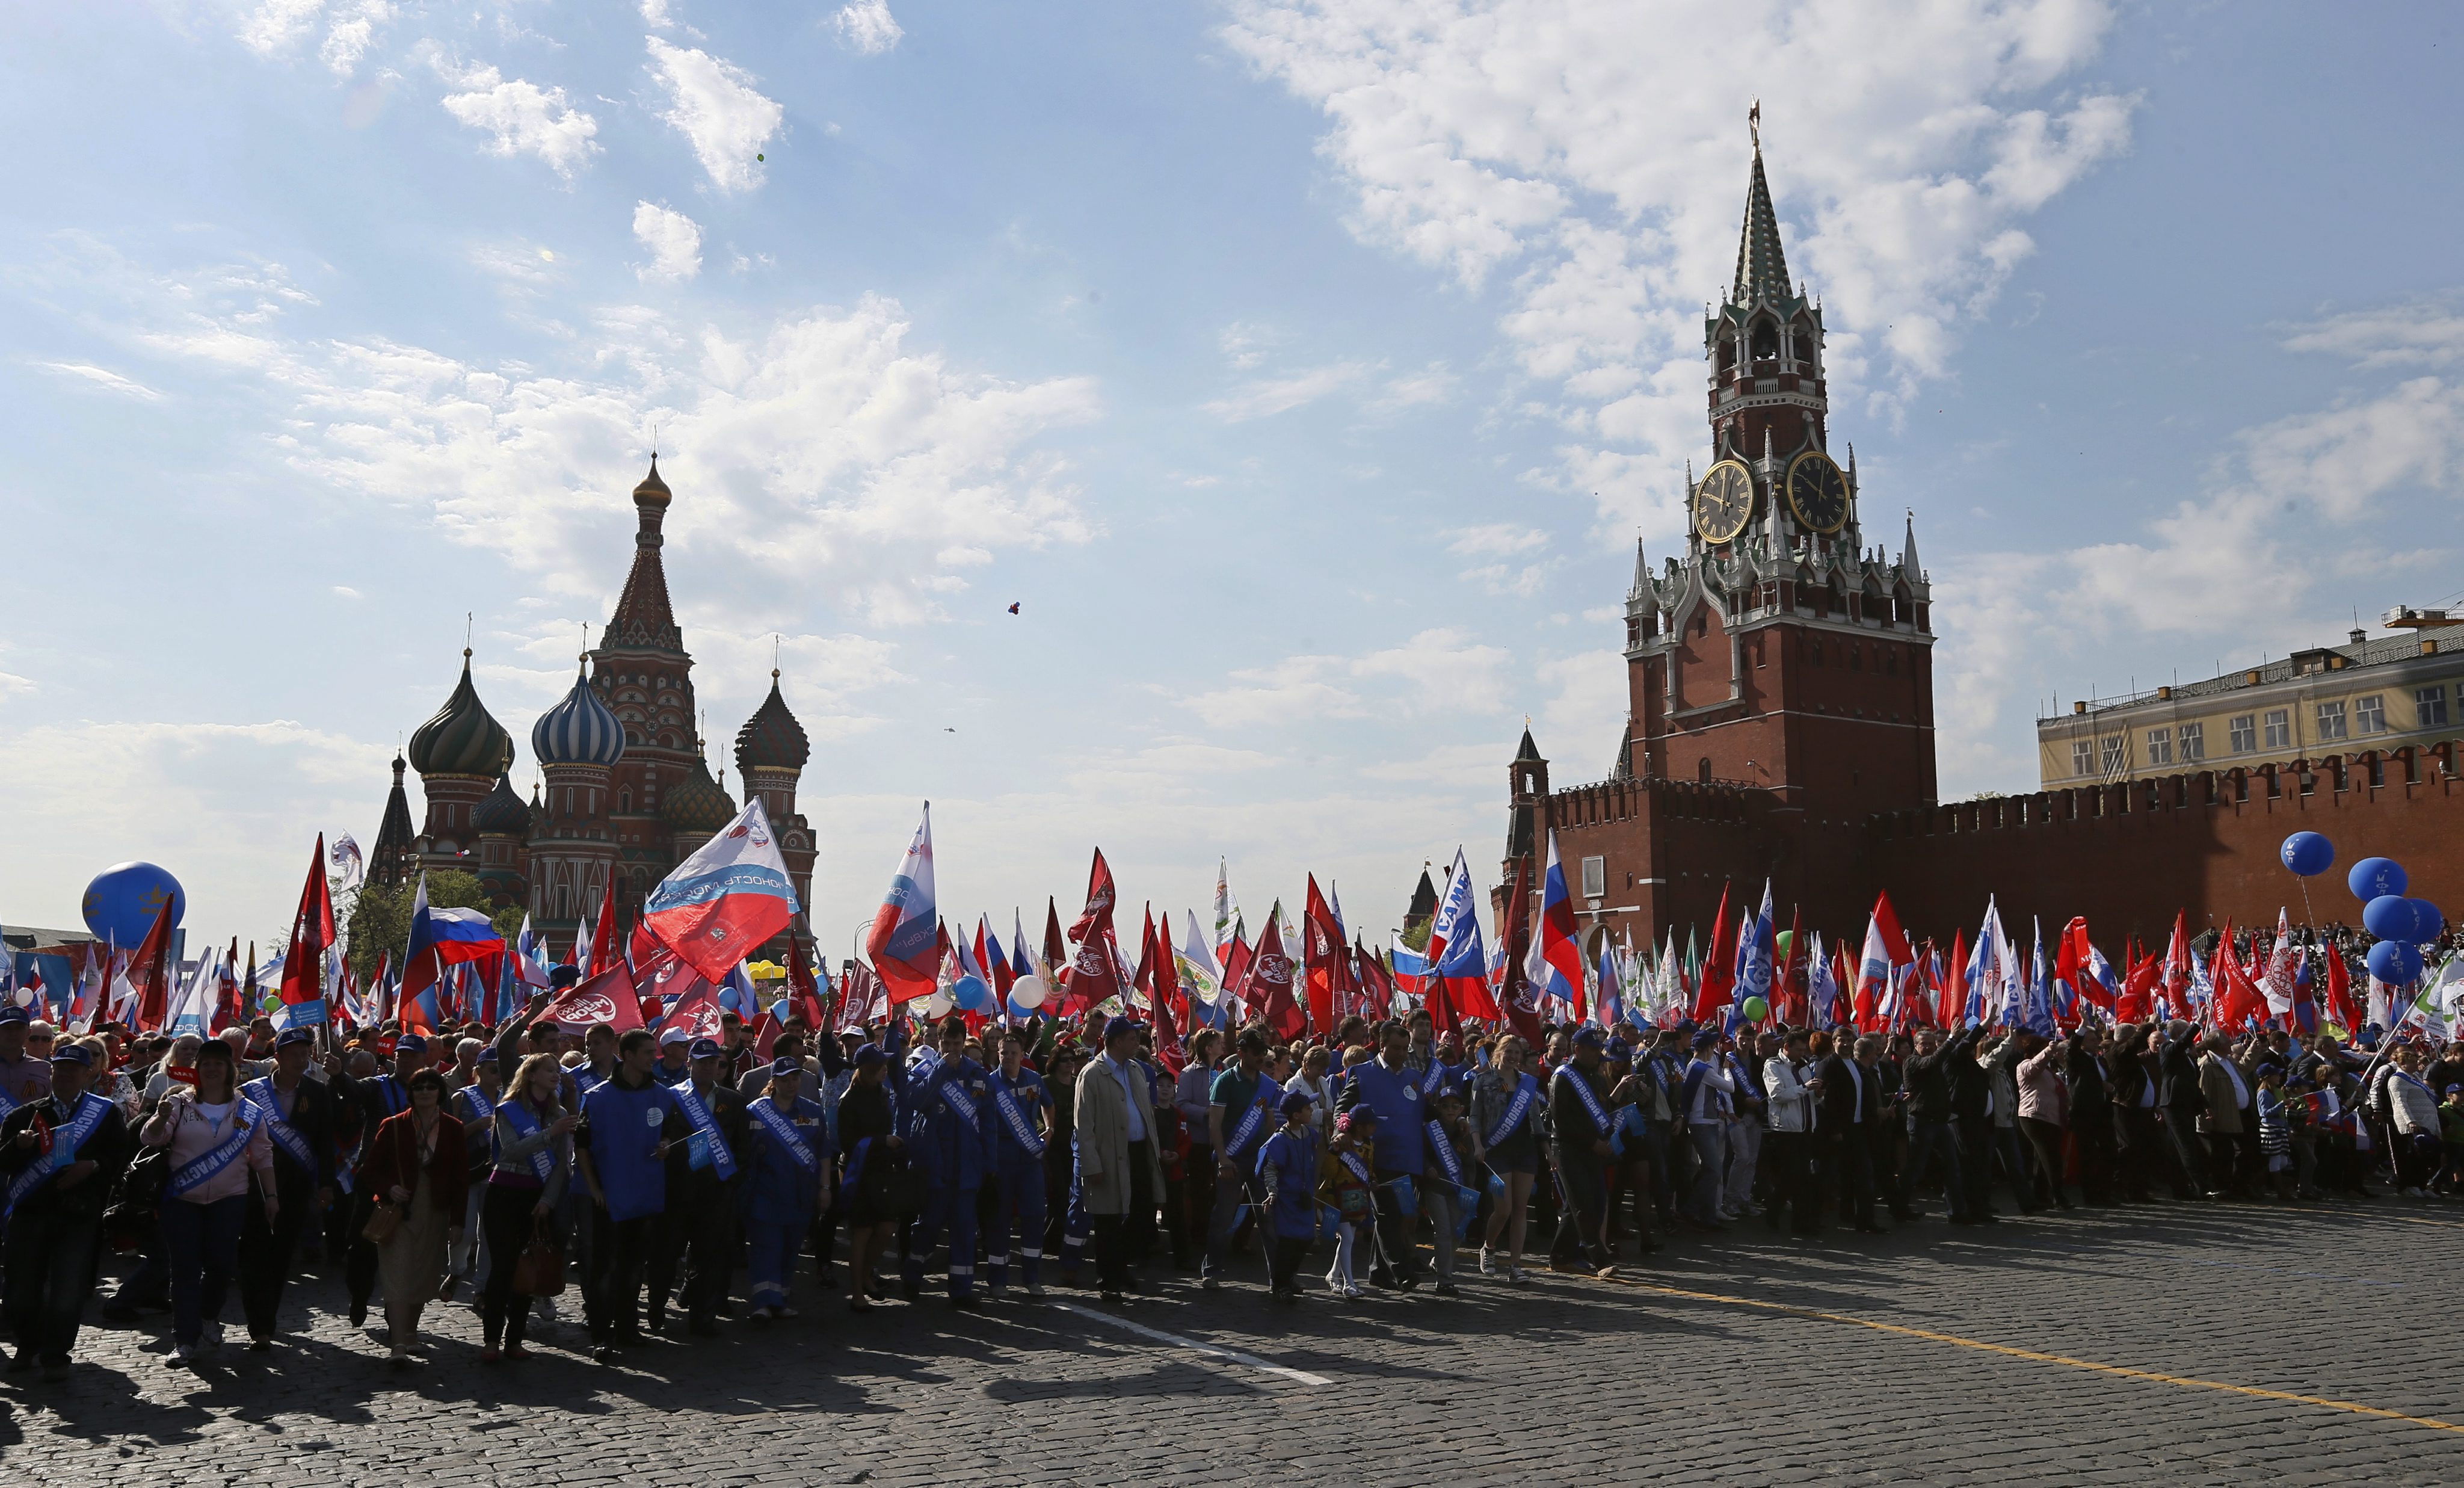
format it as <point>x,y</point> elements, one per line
<point>1396,1097</point>
<point>624,1126</point>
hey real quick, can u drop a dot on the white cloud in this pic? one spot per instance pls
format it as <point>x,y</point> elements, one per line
<point>84,375</point>
<point>714,104</point>
<point>1495,538</point>
<point>278,25</point>
<point>1267,396</point>
<point>351,35</point>
<point>2422,333</point>
<point>1440,667</point>
<point>866,26</point>
<point>1432,383</point>
<point>817,442</point>
<point>1581,149</point>
<point>654,12</point>
<point>673,239</point>
<point>522,118</point>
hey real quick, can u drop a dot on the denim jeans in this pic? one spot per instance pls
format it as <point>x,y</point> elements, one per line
<point>1710,1139</point>
<point>202,1243</point>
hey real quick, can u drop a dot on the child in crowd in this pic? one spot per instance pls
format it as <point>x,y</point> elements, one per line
<point>1346,1183</point>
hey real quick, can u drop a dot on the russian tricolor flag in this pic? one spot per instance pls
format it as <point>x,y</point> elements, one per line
<point>721,904</point>
<point>1554,965</point>
<point>905,941</point>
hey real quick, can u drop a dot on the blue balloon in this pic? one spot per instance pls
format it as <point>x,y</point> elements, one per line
<point>122,903</point>
<point>2373,877</point>
<point>2427,921</point>
<point>2394,963</point>
<point>2389,917</point>
<point>2308,853</point>
<point>975,994</point>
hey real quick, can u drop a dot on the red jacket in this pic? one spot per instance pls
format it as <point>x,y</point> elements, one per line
<point>393,1158</point>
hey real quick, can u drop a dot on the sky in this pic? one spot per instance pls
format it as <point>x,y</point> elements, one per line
<point>1304,372</point>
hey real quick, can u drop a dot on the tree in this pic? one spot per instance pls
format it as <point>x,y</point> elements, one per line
<point>379,919</point>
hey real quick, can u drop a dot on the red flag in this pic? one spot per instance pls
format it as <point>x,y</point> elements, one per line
<point>1100,894</point>
<point>2237,998</point>
<point>1155,961</point>
<point>1171,997</point>
<point>1237,981</point>
<point>150,970</point>
<point>1951,1007</point>
<point>608,998</point>
<point>602,940</point>
<point>2138,1000</point>
<point>312,931</point>
<point>1056,951</point>
<point>1271,973</point>
<point>1377,983</point>
<point>2177,966</point>
<point>1322,955</point>
<point>1515,988</point>
<point>1720,967</point>
<point>804,995</point>
<point>641,947</point>
<point>1789,1007</point>
<point>2340,991</point>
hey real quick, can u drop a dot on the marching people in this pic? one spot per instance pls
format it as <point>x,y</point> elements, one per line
<point>221,1152</point>
<point>1390,1086</point>
<point>60,1152</point>
<point>1239,1101</point>
<point>1579,1129</point>
<point>1119,1172</point>
<point>474,1103</point>
<point>867,1185</point>
<point>949,1138</point>
<point>1507,1110</point>
<point>417,1172</point>
<point>1021,1129</point>
<point>629,1121</point>
<point>786,1154</point>
<point>1287,1169</point>
<point>525,1192</point>
<point>698,1214</point>
<point>298,1117</point>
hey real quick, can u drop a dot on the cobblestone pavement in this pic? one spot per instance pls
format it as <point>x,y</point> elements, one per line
<point>2085,1349</point>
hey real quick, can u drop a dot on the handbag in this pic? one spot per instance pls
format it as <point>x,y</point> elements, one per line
<point>384,1220</point>
<point>539,1272</point>
<point>894,1189</point>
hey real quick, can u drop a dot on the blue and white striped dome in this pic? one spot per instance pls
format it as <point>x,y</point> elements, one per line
<point>580,730</point>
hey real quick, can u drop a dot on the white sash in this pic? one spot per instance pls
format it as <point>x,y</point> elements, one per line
<point>65,1141</point>
<point>722,1160</point>
<point>208,1163</point>
<point>784,1127</point>
<point>288,1140</point>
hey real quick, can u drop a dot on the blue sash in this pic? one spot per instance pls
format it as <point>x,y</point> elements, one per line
<point>65,1141</point>
<point>1592,1108</point>
<point>1444,1150</point>
<point>854,1175</point>
<point>1432,1078</point>
<point>208,1163</point>
<point>1020,1127</point>
<point>714,1145</point>
<point>1359,1169</point>
<point>8,1104</point>
<point>395,1100</point>
<point>781,1127</point>
<point>477,1108</point>
<point>1516,1109</point>
<point>585,1082</point>
<point>519,1112</point>
<point>288,1140</point>
<point>961,1104</point>
<point>1269,1094</point>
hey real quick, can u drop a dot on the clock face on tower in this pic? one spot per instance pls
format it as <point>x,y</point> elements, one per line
<point>1724,502</point>
<point>1818,491</point>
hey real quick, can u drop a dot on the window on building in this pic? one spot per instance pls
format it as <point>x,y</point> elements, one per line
<point>2160,747</point>
<point>2369,713</point>
<point>2331,720</point>
<point>2279,728</point>
<point>1702,770</point>
<point>1813,651</point>
<point>1595,877</point>
<point>2243,733</point>
<point>2116,751</point>
<point>2194,743</point>
<point>2082,757</point>
<point>2429,707</point>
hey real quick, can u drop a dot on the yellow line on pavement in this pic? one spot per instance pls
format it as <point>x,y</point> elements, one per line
<point>2035,1356</point>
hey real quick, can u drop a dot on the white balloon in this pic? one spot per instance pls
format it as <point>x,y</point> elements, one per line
<point>939,1004</point>
<point>1027,991</point>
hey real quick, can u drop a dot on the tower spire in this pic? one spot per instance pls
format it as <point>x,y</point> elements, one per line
<point>1762,268</point>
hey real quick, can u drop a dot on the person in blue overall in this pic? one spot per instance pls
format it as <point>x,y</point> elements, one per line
<point>1390,1086</point>
<point>1022,1132</point>
<point>950,1136</point>
<point>787,1152</point>
<point>1288,1178</point>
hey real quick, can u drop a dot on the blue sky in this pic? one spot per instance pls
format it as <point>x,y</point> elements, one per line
<point>1305,371</point>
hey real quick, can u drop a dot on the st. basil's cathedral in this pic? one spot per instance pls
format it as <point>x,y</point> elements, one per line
<point>624,794</point>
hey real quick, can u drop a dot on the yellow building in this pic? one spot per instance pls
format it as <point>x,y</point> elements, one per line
<point>2364,694</point>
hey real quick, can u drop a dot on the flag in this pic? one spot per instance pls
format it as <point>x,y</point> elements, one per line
<point>194,1004</point>
<point>2039,1017</point>
<point>1458,979</point>
<point>602,935</point>
<point>1324,958</point>
<point>153,970</point>
<point>720,904</point>
<point>1376,983</point>
<point>530,956</point>
<point>1097,916</point>
<point>1196,967</point>
<point>1608,1005</point>
<point>2277,985</point>
<point>1554,965</point>
<point>1410,967</point>
<point>903,943</point>
<point>2339,992</point>
<point>1719,976</point>
<point>607,997</point>
<point>1512,994</point>
<point>2177,966</point>
<point>1756,950</point>
<point>1881,967</point>
<point>439,938</point>
<point>1821,988</point>
<point>1236,981</point>
<point>1271,971</point>
<point>1227,911</point>
<point>2302,1019</point>
<point>803,992</point>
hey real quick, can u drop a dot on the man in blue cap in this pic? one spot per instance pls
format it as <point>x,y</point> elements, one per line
<point>299,1120</point>
<point>1578,1129</point>
<point>1023,1127</point>
<point>1391,1086</point>
<point>698,1224</point>
<point>629,1124</point>
<point>59,1156</point>
<point>951,1137</point>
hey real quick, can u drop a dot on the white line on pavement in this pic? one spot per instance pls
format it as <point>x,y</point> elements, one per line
<point>1213,1350</point>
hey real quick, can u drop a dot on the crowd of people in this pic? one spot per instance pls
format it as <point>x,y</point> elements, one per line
<point>656,1169</point>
